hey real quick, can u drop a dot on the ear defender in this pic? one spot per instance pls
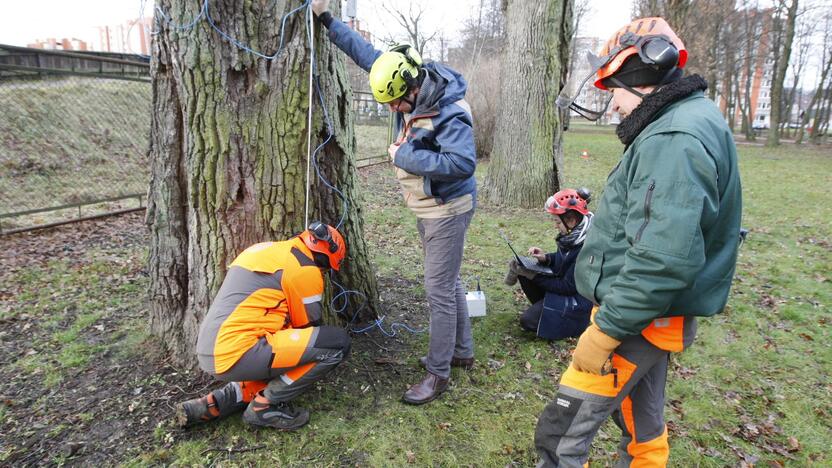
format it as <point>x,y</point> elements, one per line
<point>413,59</point>
<point>321,232</point>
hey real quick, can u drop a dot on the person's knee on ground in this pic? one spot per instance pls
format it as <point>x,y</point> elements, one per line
<point>530,318</point>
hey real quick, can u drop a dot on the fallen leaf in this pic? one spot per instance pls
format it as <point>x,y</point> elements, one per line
<point>794,445</point>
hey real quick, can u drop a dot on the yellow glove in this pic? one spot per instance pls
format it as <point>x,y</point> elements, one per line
<point>594,351</point>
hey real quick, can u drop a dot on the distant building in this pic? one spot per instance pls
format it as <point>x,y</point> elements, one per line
<point>63,44</point>
<point>762,70</point>
<point>131,37</point>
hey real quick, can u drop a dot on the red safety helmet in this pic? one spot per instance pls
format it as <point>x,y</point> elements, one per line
<point>325,239</point>
<point>568,199</point>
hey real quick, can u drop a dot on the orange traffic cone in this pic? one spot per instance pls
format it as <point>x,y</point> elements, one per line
<point>584,154</point>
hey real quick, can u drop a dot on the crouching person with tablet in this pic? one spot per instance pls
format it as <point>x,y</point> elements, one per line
<point>557,311</point>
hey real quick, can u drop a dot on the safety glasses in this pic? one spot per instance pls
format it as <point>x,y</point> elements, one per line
<point>591,103</point>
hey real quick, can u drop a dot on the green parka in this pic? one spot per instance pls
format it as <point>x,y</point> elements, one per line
<point>665,235</point>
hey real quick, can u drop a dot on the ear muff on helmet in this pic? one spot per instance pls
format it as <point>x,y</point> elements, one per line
<point>325,240</point>
<point>320,232</point>
<point>414,59</point>
<point>394,72</point>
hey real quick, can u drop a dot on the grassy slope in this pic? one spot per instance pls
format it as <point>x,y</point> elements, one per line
<point>72,140</point>
<point>757,376</point>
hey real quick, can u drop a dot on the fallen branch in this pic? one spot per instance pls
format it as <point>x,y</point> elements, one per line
<point>233,450</point>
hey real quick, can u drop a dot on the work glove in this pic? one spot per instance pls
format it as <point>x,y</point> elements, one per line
<point>320,6</point>
<point>593,354</point>
<point>519,270</point>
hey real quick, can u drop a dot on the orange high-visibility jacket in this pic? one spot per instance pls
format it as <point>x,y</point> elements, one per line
<point>269,287</point>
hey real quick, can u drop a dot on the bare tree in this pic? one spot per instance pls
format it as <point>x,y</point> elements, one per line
<point>804,35</point>
<point>412,22</point>
<point>752,30</point>
<point>821,94</point>
<point>483,36</point>
<point>784,38</point>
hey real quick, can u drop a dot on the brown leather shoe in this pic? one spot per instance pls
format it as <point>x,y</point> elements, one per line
<point>466,363</point>
<point>425,391</point>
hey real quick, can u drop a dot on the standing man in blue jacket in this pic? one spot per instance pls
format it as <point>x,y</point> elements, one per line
<point>434,158</point>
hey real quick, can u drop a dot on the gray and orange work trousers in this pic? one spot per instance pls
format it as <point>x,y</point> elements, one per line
<point>304,356</point>
<point>633,394</point>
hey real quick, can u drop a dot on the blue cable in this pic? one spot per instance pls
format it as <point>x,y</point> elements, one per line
<point>246,48</point>
<point>169,21</point>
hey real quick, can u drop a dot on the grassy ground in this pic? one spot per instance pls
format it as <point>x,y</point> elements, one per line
<point>754,389</point>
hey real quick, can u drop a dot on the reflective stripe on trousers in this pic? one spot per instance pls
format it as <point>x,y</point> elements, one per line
<point>633,394</point>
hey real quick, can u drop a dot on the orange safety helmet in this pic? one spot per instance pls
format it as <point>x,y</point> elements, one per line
<point>325,239</point>
<point>568,199</point>
<point>622,50</point>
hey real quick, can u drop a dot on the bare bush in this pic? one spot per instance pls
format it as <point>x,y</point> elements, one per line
<point>484,97</point>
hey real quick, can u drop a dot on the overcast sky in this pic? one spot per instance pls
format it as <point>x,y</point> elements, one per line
<point>24,21</point>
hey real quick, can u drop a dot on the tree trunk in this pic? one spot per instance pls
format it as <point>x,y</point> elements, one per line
<point>782,55</point>
<point>228,155</point>
<point>528,155</point>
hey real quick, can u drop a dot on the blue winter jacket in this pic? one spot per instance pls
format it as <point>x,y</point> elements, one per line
<point>562,285</point>
<point>437,156</point>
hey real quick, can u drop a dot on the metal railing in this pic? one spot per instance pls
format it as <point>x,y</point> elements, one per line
<point>73,135</point>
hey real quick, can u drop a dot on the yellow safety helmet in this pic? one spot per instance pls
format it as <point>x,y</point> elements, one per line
<point>394,72</point>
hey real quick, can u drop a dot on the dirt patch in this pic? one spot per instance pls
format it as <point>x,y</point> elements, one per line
<point>119,404</point>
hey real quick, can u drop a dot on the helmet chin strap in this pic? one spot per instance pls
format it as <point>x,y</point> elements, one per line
<point>629,88</point>
<point>410,102</point>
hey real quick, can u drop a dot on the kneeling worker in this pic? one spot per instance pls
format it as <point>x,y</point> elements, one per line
<point>557,310</point>
<point>263,333</point>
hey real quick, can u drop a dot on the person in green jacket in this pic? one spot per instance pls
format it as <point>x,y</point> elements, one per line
<point>662,249</point>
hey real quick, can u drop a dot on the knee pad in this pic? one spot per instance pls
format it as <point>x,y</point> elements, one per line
<point>330,337</point>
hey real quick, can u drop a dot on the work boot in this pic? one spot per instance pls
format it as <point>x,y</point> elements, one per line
<point>462,362</point>
<point>425,391</point>
<point>219,403</point>
<point>281,415</point>
<point>511,276</point>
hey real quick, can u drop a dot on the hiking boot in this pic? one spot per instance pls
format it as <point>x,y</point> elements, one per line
<point>426,391</point>
<point>462,362</point>
<point>219,403</point>
<point>281,415</point>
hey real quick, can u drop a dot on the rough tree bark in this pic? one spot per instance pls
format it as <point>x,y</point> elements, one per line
<point>228,155</point>
<point>528,155</point>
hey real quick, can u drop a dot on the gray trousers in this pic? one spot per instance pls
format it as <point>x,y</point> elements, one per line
<point>443,240</point>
